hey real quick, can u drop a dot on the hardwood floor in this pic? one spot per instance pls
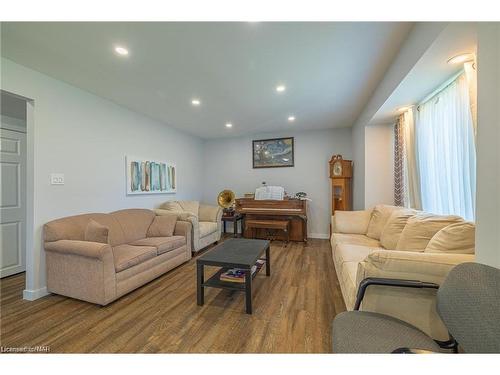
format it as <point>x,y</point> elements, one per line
<point>293,311</point>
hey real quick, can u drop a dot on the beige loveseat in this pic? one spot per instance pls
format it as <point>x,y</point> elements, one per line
<point>100,257</point>
<point>397,243</point>
<point>205,220</point>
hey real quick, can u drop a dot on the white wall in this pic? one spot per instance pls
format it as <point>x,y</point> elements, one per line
<point>379,165</point>
<point>358,160</point>
<point>422,35</point>
<point>488,143</point>
<point>86,138</point>
<point>228,165</point>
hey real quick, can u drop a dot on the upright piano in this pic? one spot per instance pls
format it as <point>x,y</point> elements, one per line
<point>291,209</point>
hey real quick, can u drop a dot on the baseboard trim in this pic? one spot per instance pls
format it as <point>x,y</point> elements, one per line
<point>31,295</point>
<point>323,236</point>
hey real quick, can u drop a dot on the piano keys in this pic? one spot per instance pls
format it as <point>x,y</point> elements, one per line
<point>291,209</point>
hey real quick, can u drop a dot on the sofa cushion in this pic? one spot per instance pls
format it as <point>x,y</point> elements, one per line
<point>134,222</point>
<point>394,227</point>
<point>354,222</point>
<point>162,244</point>
<point>207,227</point>
<point>352,253</point>
<point>162,226</point>
<point>421,228</point>
<point>354,239</point>
<point>379,218</point>
<point>126,256</point>
<point>95,232</point>
<point>455,238</point>
<point>346,258</point>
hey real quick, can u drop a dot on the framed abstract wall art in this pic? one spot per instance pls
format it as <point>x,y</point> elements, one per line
<point>145,176</point>
<point>273,153</point>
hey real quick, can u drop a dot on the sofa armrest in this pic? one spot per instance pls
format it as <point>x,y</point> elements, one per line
<point>183,228</point>
<point>83,248</point>
<point>81,269</point>
<point>210,213</point>
<point>351,222</point>
<point>409,265</point>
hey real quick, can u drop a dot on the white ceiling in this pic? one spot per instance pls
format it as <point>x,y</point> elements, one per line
<point>430,71</point>
<point>330,69</point>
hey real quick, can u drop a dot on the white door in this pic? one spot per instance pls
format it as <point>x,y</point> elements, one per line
<point>12,202</point>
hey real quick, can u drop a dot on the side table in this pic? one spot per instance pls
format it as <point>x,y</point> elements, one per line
<point>234,219</point>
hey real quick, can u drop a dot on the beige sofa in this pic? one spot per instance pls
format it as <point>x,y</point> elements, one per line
<point>99,257</point>
<point>205,220</point>
<point>397,243</point>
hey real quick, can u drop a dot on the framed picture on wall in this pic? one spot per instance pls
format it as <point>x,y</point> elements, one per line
<point>273,153</point>
<point>146,176</point>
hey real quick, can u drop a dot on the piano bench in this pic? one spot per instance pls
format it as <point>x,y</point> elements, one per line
<point>269,226</point>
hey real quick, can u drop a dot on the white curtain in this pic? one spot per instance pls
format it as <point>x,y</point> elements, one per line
<point>471,76</point>
<point>410,168</point>
<point>446,152</point>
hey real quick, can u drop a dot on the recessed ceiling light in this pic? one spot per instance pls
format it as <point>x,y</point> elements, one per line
<point>229,125</point>
<point>280,88</point>
<point>122,51</point>
<point>195,102</point>
<point>291,118</point>
<point>464,57</point>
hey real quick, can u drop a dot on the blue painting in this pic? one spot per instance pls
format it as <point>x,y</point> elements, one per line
<point>272,153</point>
<point>150,177</point>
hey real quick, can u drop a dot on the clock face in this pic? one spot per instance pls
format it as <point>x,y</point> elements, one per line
<point>337,168</point>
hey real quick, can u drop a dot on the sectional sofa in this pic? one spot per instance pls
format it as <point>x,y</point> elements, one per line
<point>398,243</point>
<point>99,257</point>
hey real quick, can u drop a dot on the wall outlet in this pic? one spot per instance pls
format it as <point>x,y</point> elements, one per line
<point>57,178</point>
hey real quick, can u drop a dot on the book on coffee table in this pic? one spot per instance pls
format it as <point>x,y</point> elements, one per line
<point>237,275</point>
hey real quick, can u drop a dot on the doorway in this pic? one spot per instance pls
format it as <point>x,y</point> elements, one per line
<point>13,162</point>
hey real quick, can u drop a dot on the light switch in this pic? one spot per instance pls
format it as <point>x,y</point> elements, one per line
<point>57,178</point>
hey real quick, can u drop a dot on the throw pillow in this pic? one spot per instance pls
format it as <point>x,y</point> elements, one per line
<point>353,222</point>
<point>95,232</point>
<point>421,228</point>
<point>394,227</point>
<point>189,207</point>
<point>171,206</point>
<point>380,215</point>
<point>162,226</point>
<point>458,238</point>
<point>193,207</point>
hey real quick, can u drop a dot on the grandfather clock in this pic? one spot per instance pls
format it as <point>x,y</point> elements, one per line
<point>341,177</point>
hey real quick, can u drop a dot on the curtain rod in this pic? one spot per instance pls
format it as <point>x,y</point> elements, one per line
<point>441,87</point>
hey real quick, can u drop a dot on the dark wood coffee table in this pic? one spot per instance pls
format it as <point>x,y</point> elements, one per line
<point>232,253</point>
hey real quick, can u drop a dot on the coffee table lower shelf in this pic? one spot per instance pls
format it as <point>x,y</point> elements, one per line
<point>215,282</point>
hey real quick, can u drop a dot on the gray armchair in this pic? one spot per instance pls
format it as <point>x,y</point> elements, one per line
<point>205,220</point>
<point>468,302</point>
